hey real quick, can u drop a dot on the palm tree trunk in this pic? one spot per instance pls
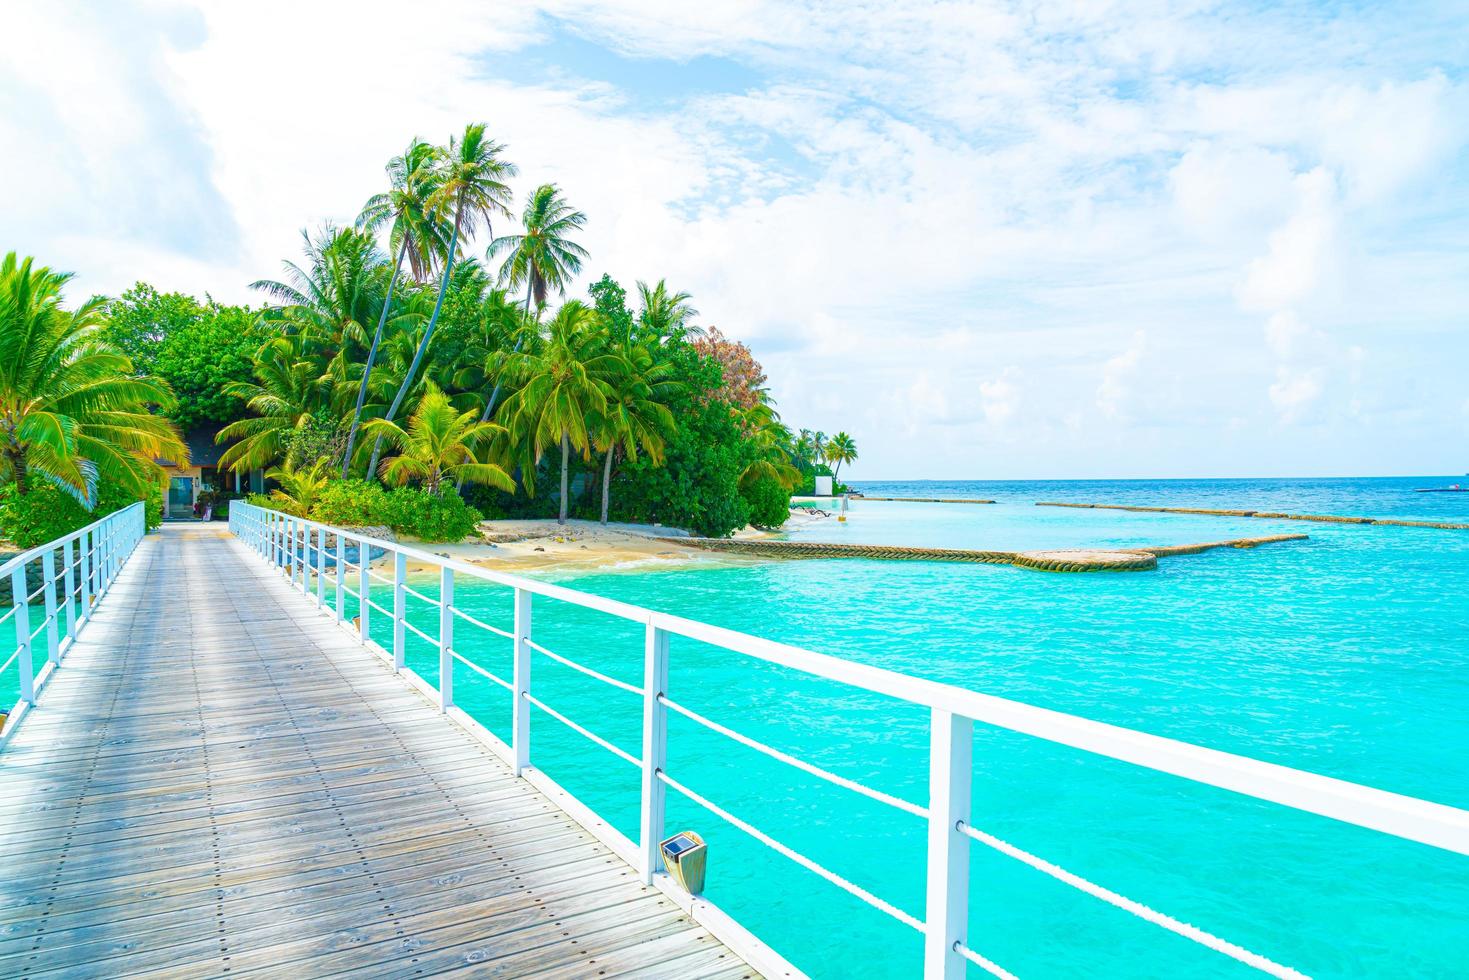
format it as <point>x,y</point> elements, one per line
<point>422,344</point>
<point>565,465</point>
<point>606,483</point>
<point>495,395</point>
<point>371,357</point>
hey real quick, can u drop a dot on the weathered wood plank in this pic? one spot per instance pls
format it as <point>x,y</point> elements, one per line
<point>220,781</point>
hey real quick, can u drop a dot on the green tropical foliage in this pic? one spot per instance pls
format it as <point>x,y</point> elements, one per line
<point>389,354</point>
<point>412,210</point>
<point>471,188</point>
<point>299,485</point>
<point>439,444</point>
<point>565,387</point>
<point>72,411</point>
<point>841,448</point>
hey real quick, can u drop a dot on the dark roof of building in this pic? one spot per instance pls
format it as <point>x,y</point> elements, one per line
<point>203,450</point>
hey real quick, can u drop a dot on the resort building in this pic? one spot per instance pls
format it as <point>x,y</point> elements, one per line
<point>183,482</point>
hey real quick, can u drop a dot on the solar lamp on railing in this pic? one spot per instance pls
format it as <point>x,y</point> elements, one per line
<point>686,857</point>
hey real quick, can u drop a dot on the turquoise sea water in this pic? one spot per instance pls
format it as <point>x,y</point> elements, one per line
<point>1347,654</point>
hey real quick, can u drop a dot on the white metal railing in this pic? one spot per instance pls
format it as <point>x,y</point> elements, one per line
<point>299,547</point>
<point>90,559</point>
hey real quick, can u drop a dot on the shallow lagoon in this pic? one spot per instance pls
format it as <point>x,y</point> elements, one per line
<point>1347,654</point>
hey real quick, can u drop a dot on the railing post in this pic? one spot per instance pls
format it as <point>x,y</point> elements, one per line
<point>446,638</point>
<point>655,747</point>
<point>104,560</point>
<point>86,543</point>
<point>364,589</point>
<point>950,774</point>
<point>68,582</point>
<point>304,566</point>
<point>22,617</point>
<point>341,577</point>
<point>48,589</point>
<point>320,566</point>
<point>400,608</point>
<point>520,709</point>
<point>292,558</point>
<point>302,540</point>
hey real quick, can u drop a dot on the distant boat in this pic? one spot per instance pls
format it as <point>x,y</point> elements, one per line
<point>1455,488</point>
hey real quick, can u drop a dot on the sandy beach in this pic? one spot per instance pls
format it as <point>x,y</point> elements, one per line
<point>543,544</point>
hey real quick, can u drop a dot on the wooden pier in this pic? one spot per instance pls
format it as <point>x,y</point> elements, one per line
<point>220,782</point>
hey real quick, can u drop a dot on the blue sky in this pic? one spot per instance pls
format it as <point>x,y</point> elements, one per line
<point>987,239</point>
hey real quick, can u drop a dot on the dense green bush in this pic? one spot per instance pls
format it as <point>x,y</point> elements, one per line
<point>769,502</point>
<point>409,511</point>
<point>353,503</point>
<point>698,488</point>
<point>431,517</point>
<point>45,513</point>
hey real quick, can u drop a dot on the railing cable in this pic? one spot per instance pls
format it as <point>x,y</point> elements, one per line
<point>790,760</point>
<point>585,670</point>
<point>620,753</point>
<point>795,855</point>
<point>480,670</point>
<point>1136,908</point>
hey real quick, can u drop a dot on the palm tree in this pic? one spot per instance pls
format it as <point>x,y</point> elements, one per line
<point>774,445</point>
<point>328,302</point>
<point>543,258</point>
<point>472,185</point>
<point>323,308</point>
<point>284,396</point>
<point>299,485</point>
<point>842,448</point>
<point>565,389</point>
<point>637,413</point>
<point>416,227</point>
<point>71,411</point>
<point>666,314</point>
<point>440,443</point>
<point>804,449</point>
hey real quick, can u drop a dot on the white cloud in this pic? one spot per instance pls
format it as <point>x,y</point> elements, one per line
<point>1301,252</point>
<point>1294,391</point>
<point>1284,332</point>
<point>1115,391</point>
<point>912,211</point>
<point>1000,397</point>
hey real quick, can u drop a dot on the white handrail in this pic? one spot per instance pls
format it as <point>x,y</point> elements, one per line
<point>103,547</point>
<point>953,710</point>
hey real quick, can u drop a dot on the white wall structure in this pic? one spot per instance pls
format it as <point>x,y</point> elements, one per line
<point>823,486</point>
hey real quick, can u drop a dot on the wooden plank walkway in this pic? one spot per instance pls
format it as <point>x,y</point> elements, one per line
<point>220,782</point>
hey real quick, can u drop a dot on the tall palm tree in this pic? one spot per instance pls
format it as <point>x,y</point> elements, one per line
<point>439,443</point>
<point>417,228</point>
<point>71,410</point>
<point>666,314</point>
<point>637,415</point>
<point>472,187</point>
<point>841,448</point>
<point>565,389</point>
<point>329,301</point>
<point>543,256</point>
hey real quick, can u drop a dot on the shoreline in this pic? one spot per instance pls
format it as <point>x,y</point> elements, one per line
<point>542,545</point>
